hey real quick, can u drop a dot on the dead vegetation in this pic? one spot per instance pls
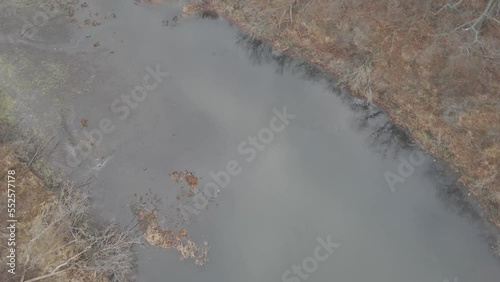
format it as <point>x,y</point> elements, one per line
<point>164,228</point>
<point>56,238</point>
<point>433,65</point>
<point>202,9</point>
<point>187,177</point>
<point>160,237</point>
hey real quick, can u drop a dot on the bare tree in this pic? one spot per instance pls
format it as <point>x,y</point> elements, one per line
<point>72,205</point>
<point>109,252</point>
<point>67,241</point>
<point>475,26</point>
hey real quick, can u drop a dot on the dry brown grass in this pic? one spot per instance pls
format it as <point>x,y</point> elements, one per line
<point>420,60</point>
<point>55,237</point>
<point>32,198</point>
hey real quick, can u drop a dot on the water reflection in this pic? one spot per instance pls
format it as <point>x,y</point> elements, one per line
<point>385,137</point>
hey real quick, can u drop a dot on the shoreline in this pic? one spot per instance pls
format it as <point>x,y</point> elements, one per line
<point>434,139</point>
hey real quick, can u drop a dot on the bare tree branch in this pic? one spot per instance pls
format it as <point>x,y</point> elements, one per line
<point>105,252</point>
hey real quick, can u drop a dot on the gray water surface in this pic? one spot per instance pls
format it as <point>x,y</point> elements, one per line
<point>323,175</point>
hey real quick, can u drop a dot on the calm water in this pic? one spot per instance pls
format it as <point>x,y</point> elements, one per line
<point>321,175</point>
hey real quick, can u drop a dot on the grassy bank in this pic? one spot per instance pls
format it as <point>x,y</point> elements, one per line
<point>433,65</point>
